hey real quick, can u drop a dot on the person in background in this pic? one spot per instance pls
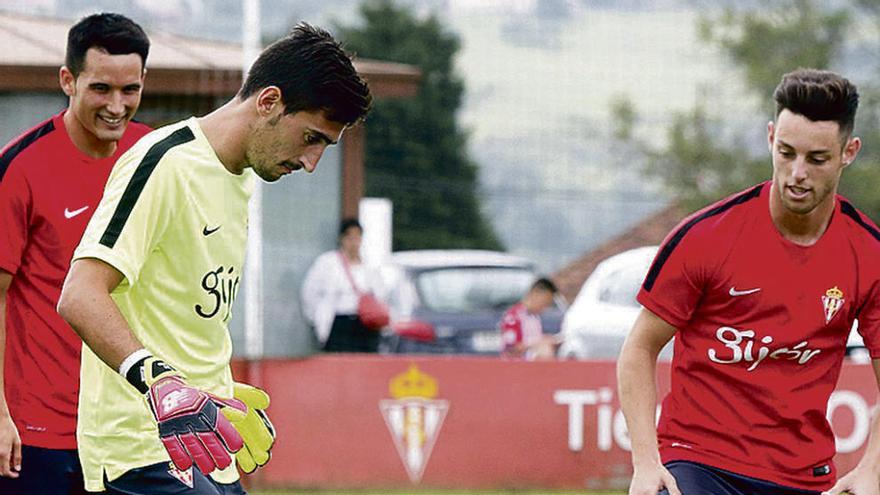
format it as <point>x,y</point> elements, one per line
<point>331,290</point>
<point>51,179</point>
<point>522,335</point>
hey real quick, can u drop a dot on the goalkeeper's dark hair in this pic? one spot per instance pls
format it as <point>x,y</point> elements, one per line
<point>819,95</point>
<point>113,33</point>
<point>313,73</point>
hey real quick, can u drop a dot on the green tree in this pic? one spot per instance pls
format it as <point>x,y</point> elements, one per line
<point>416,152</point>
<point>768,43</point>
<point>697,166</point>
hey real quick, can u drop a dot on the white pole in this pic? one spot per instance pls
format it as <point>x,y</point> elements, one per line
<point>253,272</point>
<point>375,215</point>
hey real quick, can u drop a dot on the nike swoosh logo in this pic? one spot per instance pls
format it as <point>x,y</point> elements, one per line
<point>70,214</point>
<point>733,292</point>
<point>206,231</point>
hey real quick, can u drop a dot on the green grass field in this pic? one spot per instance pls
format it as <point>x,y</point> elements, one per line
<point>426,492</point>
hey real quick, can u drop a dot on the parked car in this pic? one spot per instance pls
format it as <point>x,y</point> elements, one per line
<point>855,346</point>
<point>450,301</point>
<point>603,313</point>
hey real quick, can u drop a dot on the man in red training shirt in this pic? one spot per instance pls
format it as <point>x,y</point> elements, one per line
<point>51,179</point>
<point>760,291</point>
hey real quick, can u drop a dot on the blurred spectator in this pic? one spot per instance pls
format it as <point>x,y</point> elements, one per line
<point>332,289</point>
<point>521,333</point>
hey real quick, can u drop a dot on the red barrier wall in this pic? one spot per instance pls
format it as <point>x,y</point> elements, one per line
<point>343,421</point>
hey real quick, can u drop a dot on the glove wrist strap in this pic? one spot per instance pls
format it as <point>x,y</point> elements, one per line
<point>132,359</point>
<point>136,378</point>
<point>143,370</point>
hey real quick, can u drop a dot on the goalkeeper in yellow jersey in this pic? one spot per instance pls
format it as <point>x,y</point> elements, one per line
<point>153,280</point>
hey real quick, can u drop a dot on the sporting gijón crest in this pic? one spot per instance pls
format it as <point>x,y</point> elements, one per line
<point>832,301</point>
<point>185,476</point>
<point>414,418</point>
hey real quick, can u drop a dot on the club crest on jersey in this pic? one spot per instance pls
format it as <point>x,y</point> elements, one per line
<point>414,418</point>
<point>832,301</point>
<point>185,476</point>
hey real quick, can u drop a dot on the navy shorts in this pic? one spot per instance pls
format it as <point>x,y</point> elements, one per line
<point>46,471</point>
<point>162,479</point>
<point>698,479</point>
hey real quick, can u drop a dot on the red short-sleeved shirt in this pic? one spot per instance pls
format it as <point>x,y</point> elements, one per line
<point>48,192</point>
<point>518,326</point>
<point>762,329</point>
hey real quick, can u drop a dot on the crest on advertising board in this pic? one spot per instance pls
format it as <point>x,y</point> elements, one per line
<point>414,417</point>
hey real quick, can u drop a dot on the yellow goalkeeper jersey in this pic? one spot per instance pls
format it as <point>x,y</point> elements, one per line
<point>173,221</point>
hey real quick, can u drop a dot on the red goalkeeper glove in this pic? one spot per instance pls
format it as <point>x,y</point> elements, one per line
<point>190,424</point>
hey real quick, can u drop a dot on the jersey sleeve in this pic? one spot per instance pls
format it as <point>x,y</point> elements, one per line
<point>134,213</point>
<point>869,321</point>
<point>15,213</point>
<point>676,279</point>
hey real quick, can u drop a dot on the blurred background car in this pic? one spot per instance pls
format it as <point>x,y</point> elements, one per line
<point>450,301</point>
<point>855,346</point>
<point>603,313</point>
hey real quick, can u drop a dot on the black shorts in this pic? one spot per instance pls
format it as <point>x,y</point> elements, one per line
<point>698,479</point>
<point>160,479</point>
<point>46,471</point>
<point>348,334</point>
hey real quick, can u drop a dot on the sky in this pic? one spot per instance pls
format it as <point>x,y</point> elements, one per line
<point>540,77</point>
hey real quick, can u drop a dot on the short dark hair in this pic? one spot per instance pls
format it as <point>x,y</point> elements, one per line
<point>313,73</point>
<point>114,33</point>
<point>545,284</point>
<point>819,95</point>
<point>348,223</point>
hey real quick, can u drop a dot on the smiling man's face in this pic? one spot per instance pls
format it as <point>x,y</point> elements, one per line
<point>104,97</point>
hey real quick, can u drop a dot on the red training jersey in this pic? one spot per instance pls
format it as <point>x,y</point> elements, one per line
<point>48,192</point>
<point>762,328</point>
<point>518,326</point>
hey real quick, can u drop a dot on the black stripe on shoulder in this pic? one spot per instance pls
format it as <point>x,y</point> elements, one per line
<point>139,181</point>
<point>849,210</point>
<point>670,246</point>
<point>22,144</point>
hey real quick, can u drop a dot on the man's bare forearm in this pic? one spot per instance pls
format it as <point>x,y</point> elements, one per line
<point>86,305</point>
<point>637,379</point>
<point>5,282</point>
<point>638,398</point>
